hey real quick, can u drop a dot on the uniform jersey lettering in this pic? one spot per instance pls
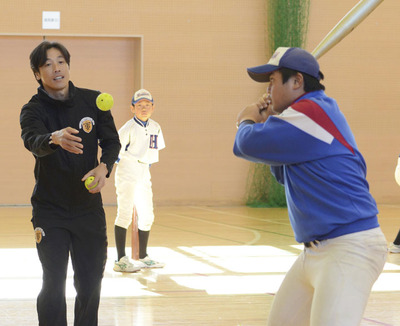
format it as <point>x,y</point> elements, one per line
<point>153,141</point>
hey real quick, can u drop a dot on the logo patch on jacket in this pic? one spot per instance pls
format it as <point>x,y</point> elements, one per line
<point>86,124</point>
<point>39,234</point>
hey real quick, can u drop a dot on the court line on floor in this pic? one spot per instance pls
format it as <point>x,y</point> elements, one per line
<point>239,215</point>
<point>256,234</point>
<point>377,322</point>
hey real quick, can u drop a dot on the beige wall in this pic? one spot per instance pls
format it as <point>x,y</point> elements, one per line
<point>195,58</point>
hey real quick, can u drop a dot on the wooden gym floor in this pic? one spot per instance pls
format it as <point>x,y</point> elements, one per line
<point>223,266</point>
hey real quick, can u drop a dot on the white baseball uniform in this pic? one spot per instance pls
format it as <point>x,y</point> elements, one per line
<point>140,143</point>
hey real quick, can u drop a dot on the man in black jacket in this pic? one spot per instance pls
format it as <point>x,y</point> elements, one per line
<point>63,129</point>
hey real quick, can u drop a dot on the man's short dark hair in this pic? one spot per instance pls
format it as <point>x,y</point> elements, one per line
<point>310,83</point>
<point>38,56</point>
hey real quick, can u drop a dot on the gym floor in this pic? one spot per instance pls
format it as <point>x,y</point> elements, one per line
<point>223,266</point>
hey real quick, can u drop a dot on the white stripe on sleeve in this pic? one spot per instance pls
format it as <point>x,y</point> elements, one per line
<point>305,124</point>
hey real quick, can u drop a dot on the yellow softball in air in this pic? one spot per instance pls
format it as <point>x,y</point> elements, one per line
<point>88,181</point>
<point>104,101</point>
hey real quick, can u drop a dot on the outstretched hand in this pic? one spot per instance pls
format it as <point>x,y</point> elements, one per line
<point>66,140</point>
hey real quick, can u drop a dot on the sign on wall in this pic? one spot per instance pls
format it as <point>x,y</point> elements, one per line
<point>50,20</point>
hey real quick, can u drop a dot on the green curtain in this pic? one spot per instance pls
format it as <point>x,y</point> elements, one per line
<point>286,25</point>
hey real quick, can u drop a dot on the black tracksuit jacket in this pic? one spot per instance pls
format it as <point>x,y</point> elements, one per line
<point>59,191</point>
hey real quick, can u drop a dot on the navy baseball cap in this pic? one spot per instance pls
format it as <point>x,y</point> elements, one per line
<point>292,58</point>
<point>142,94</point>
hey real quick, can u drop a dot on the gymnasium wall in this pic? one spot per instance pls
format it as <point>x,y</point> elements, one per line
<point>195,55</point>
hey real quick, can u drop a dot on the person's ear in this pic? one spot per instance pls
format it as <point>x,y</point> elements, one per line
<point>298,81</point>
<point>37,76</point>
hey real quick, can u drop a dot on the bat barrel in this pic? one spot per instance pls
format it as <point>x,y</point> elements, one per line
<point>354,17</point>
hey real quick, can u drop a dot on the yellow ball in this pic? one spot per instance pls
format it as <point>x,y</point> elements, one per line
<point>104,101</point>
<point>88,181</point>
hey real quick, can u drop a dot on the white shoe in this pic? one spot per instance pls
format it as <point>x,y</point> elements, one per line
<point>124,265</point>
<point>147,262</point>
<point>395,249</point>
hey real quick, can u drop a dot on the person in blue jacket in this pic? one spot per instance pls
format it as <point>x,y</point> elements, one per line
<point>302,134</point>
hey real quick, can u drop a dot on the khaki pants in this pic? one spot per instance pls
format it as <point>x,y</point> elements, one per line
<point>329,284</point>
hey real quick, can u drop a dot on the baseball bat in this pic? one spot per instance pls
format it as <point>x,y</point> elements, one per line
<point>135,236</point>
<point>350,21</point>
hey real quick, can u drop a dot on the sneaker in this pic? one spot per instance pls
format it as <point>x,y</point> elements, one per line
<point>395,249</point>
<point>125,266</point>
<point>147,262</point>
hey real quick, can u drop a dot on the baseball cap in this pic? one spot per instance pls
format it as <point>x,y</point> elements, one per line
<point>142,94</point>
<point>292,58</point>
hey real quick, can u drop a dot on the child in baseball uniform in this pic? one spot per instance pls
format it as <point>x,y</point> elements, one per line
<point>141,139</point>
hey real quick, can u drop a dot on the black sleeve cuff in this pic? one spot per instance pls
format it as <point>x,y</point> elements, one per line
<point>245,122</point>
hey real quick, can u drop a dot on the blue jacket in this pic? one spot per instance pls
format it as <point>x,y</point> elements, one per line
<point>313,153</point>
